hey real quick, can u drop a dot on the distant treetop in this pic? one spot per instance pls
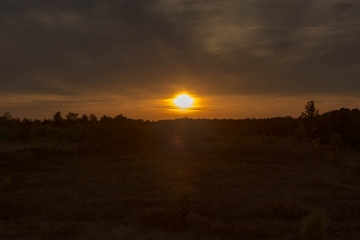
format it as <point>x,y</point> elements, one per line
<point>310,110</point>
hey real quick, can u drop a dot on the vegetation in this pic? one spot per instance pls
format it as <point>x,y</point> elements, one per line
<point>184,200</point>
<point>120,178</point>
<point>314,226</point>
<point>342,124</point>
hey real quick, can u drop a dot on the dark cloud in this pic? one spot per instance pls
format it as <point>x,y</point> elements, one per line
<point>223,47</point>
<point>283,13</point>
<point>342,7</point>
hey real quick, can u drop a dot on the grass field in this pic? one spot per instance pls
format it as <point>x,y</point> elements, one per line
<point>247,190</point>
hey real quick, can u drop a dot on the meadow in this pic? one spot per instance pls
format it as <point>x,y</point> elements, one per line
<point>247,188</point>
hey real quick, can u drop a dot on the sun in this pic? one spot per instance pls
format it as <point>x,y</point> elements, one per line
<point>183,101</point>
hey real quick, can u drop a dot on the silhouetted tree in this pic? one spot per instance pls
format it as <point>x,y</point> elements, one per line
<point>355,131</point>
<point>57,118</point>
<point>93,118</point>
<point>306,127</point>
<point>27,121</point>
<point>84,118</point>
<point>105,118</point>
<point>120,117</point>
<point>46,121</point>
<point>7,116</point>
<point>26,129</point>
<point>71,117</point>
<point>310,110</point>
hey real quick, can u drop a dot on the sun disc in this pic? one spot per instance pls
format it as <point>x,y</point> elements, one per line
<point>183,101</point>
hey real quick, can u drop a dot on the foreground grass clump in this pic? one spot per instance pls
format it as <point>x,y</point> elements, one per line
<point>314,226</point>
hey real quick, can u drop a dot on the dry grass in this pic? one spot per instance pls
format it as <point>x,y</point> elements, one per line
<point>244,191</point>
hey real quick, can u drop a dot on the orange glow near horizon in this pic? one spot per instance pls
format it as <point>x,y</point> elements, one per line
<point>157,107</point>
<point>182,103</point>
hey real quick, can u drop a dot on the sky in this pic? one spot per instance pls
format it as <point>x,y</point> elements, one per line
<point>238,59</point>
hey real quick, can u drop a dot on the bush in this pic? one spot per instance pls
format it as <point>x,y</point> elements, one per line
<point>332,156</point>
<point>54,133</point>
<point>314,226</point>
<point>337,141</point>
<point>184,199</point>
<point>5,182</point>
<point>7,134</point>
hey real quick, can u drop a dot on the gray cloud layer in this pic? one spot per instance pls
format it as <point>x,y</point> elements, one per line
<point>214,47</point>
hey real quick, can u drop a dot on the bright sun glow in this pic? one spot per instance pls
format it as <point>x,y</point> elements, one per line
<point>183,101</point>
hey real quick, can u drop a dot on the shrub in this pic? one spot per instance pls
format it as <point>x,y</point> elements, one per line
<point>7,134</point>
<point>337,141</point>
<point>5,182</point>
<point>184,199</point>
<point>314,226</point>
<point>332,156</point>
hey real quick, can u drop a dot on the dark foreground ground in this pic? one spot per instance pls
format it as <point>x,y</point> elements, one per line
<point>250,191</point>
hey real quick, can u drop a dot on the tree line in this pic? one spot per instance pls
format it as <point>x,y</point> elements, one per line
<point>342,125</point>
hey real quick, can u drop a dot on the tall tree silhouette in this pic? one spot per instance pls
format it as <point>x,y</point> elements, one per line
<point>306,127</point>
<point>72,117</point>
<point>310,110</point>
<point>57,118</point>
